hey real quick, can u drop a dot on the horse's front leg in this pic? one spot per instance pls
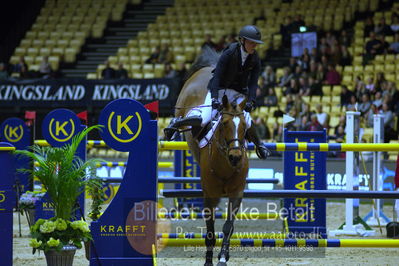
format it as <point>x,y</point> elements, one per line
<point>210,238</point>
<point>228,228</point>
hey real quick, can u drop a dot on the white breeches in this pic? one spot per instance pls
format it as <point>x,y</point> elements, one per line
<point>207,113</point>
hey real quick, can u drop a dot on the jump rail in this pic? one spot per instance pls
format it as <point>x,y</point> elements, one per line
<point>194,180</point>
<point>333,243</point>
<point>355,194</point>
<point>182,145</point>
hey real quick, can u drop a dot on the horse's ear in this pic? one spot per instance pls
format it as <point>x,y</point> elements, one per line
<point>242,104</point>
<point>225,101</point>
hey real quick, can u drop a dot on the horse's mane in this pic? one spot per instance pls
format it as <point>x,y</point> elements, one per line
<point>208,58</point>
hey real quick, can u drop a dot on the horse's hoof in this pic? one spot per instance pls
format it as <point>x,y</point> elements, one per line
<point>222,263</point>
<point>208,264</point>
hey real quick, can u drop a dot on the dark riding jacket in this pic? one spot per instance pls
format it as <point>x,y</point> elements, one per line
<point>231,74</point>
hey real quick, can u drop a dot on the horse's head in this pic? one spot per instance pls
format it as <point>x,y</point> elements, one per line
<point>233,128</point>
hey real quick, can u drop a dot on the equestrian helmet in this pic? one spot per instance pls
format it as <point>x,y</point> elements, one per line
<point>252,33</point>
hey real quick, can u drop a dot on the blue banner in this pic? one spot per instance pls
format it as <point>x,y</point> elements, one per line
<point>305,170</point>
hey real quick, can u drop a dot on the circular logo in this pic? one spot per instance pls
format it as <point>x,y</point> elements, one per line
<point>15,131</point>
<point>59,126</point>
<point>125,122</point>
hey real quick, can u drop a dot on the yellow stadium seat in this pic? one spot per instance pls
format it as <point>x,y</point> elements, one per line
<point>149,75</point>
<point>32,51</point>
<point>37,43</point>
<point>390,67</point>
<point>159,70</point>
<point>25,43</point>
<point>326,90</point>
<point>62,43</point>
<point>58,51</point>
<point>336,90</point>
<point>54,62</point>
<point>20,51</point>
<point>91,76</point>
<point>70,55</point>
<point>137,75</point>
<point>44,51</point>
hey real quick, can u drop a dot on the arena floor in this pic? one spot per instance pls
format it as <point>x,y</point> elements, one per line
<point>179,256</point>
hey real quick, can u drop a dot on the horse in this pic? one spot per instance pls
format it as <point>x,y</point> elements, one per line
<point>223,161</point>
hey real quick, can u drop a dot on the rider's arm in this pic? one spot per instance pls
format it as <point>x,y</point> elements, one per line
<point>253,82</point>
<point>218,74</point>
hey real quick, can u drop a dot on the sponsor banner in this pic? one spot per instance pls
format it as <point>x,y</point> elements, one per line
<point>81,92</point>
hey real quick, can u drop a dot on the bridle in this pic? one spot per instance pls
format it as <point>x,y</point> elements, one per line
<point>226,145</point>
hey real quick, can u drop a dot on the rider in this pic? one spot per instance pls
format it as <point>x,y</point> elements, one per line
<point>236,76</point>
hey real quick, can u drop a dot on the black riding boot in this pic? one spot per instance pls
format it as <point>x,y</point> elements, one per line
<point>253,137</point>
<point>176,123</point>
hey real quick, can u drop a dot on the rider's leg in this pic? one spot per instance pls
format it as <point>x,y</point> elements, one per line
<point>253,137</point>
<point>196,118</point>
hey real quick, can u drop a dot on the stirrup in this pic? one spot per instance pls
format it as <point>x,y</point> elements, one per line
<point>170,132</point>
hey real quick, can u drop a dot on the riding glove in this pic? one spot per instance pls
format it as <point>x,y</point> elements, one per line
<point>215,104</point>
<point>249,107</point>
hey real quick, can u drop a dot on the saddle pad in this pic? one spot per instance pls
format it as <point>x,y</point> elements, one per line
<point>205,140</point>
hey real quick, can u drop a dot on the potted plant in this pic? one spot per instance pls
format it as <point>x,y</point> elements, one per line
<point>63,176</point>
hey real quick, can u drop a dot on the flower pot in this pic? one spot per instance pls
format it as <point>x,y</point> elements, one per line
<point>63,257</point>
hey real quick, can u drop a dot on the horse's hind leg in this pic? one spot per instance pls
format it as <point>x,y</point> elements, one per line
<point>228,228</point>
<point>210,238</point>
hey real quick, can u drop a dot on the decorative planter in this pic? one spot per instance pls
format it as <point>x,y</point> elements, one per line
<point>61,258</point>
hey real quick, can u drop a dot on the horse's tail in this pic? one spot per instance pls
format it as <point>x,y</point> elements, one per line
<point>207,58</point>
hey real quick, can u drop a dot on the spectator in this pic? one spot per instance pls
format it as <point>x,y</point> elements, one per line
<point>315,87</point>
<point>340,135</point>
<point>352,106</point>
<point>345,95</point>
<point>271,98</point>
<point>370,86</point>
<point>165,55</point>
<point>298,72</point>
<point>335,54</point>
<point>21,63</point>
<point>332,76</point>
<point>369,26</point>
<point>154,57</point>
<point>293,88</point>
<point>121,73</point>
<point>261,92</point>
<point>389,132</point>
<point>313,69</point>
<point>314,124</point>
<point>394,47</point>
<point>169,71</point>
<point>290,103</point>
<point>383,49</point>
<point>372,46</point>
<point>305,123</point>
<point>320,74</point>
<point>208,42</point>
<point>383,28</point>
<point>304,62</point>
<point>322,117</point>
<point>346,58</point>
<point>45,68</point>
<point>306,111</point>
<point>297,23</point>
<point>108,72</point>
<point>292,64</point>
<point>344,38</point>
<point>261,17</point>
<point>380,81</point>
<point>3,71</point>
<point>261,128</point>
<point>286,30</point>
<point>314,56</point>
<point>221,44</point>
<point>269,76</point>
<point>341,123</point>
<point>287,76</point>
<point>370,115</point>
<point>330,39</point>
<point>304,88</point>
<point>277,134</point>
<point>365,105</point>
<point>324,47</point>
<point>395,24</point>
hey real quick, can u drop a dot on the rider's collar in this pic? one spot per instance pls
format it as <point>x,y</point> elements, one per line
<point>244,55</point>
